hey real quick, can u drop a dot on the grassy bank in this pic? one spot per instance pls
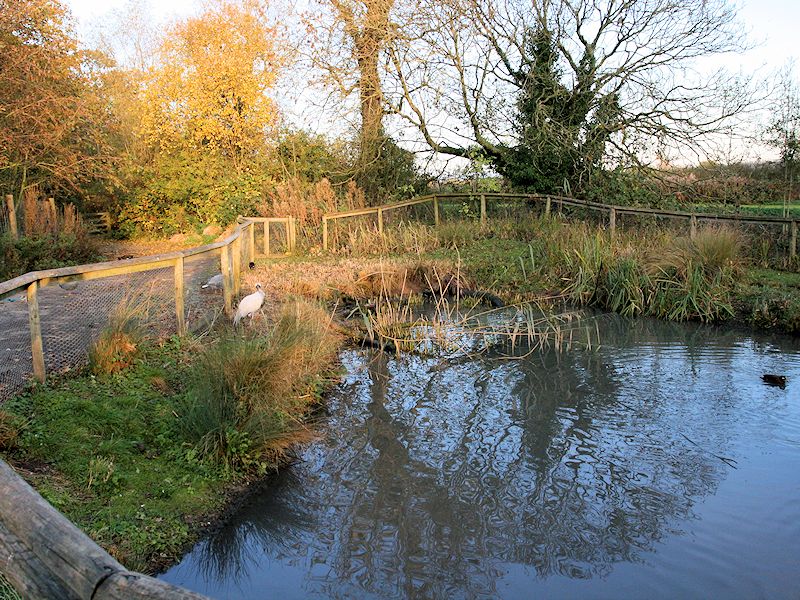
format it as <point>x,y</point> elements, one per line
<point>655,272</point>
<point>144,458</point>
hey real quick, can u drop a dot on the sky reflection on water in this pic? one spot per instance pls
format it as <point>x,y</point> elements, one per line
<point>658,465</point>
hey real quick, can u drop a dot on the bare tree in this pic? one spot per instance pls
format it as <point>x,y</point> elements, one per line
<point>783,132</point>
<point>351,37</point>
<point>580,81</point>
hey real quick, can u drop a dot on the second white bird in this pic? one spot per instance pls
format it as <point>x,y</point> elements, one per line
<point>249,305</point>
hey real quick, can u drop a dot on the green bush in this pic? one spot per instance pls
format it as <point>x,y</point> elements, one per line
<point>44,252</point>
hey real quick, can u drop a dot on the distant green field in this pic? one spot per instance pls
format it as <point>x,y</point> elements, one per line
<point>775,210</point>
<point>772,210</point>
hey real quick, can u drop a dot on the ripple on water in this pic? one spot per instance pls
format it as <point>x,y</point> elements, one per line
<point>658,465</point>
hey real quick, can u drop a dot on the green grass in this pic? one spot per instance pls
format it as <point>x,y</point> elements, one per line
<point>108,457</point>
<point>113,453</point>
<point>649,271</point>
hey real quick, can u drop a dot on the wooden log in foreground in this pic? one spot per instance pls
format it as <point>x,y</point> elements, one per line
<point>44,555</point>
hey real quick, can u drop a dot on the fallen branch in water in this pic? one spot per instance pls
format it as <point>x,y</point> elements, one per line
<point>728,461</point>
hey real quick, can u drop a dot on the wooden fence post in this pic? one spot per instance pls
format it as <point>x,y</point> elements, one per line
<point>266,238</point>
<point>293,234</point>
<point>435,211</point>
<point>37,350</point>
<point>237,263</point>
<point>483,209</point>
<point>251,242</point>
<point>324,232</point>
<point>612,220</point>
<point>53,211</point>
<point>547,206</point>
<point>12,216</point>
<point>380,220</point>
<point>180,313</point>
<point>227,283</point>
<point>793,241</point>
<point>693,227</point>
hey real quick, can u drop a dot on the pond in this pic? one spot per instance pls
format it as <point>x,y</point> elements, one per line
<point>656,465</point>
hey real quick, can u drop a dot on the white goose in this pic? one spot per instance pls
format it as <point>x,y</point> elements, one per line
<point>249,305</point>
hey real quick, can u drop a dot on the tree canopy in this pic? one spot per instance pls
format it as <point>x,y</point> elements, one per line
<point>53,122</point>
<point>551,90</point>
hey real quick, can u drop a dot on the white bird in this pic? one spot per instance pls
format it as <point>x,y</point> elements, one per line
<point>249,305</point>
<point>215,282</point>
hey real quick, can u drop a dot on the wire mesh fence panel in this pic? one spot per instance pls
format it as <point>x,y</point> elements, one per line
<point>203,300</point>
<point>416,213</point>
<point>460,208</point>
<point>503,207</point>
<point>73,315</point>
<point>278,238</point>
<point>16,365</point>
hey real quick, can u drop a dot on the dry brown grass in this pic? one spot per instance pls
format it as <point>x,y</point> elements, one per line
<point>118,344</point>
<point>9,431</point>
<point>356,278</point>
<point>41,218</point>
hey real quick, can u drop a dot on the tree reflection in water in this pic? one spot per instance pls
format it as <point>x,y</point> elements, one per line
<point>435,476</point>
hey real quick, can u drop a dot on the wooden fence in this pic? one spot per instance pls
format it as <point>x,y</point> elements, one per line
<point>44,555</point>
<point>557,203</point>
<point>236,249</point>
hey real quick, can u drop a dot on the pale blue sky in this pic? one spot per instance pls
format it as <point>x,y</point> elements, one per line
<point>774,24</point>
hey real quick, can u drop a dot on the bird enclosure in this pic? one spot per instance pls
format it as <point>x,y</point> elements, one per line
<point>49,319</point>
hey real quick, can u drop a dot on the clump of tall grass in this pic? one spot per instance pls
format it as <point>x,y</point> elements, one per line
<point>714,250</point>
<point>678,278</point>
<point>10,429</point>
<point>118,343</point>
<point>249,396</point>
<point>50,237</point>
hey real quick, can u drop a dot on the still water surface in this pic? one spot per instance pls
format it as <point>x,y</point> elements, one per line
<point>657,466</point>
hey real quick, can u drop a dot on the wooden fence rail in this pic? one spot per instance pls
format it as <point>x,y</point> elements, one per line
<point>44,555</point>
<point>237,248</point>
<point>549,201</point>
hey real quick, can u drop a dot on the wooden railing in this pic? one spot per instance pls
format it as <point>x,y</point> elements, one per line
<point>234,250</point>
<point>560,201</point>
<point>44,555</point>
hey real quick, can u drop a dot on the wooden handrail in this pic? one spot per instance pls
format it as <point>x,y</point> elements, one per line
<point>619,208</point>
<point>113,267</point>
<point>44,555</point>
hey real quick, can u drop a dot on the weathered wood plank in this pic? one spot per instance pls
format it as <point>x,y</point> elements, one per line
<point>76,561</point>
<point>35,324</point>
<point>25,571</point>
<point>135,586</point>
